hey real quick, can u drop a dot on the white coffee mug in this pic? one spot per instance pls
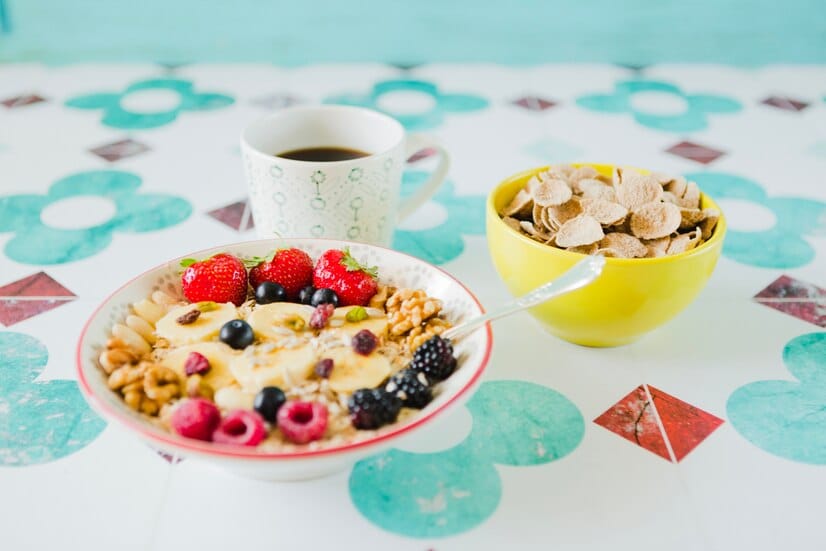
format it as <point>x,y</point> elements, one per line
<point>356,199</point>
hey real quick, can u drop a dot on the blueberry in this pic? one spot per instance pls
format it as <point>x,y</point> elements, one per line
<point>237,334</point>
<point>305,295</point>
<point>268,401</point>
<point>268,292</point>
<point>324,296</point>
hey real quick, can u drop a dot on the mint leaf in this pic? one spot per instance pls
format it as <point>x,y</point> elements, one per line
<point>187,262</point>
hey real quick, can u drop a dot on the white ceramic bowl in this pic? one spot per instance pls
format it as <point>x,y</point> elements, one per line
<point>395,268</point>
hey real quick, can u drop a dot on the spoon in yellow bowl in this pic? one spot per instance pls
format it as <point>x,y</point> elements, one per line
<point>581,274</point>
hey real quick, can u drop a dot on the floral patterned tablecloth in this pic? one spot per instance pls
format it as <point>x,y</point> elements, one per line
<point>709,433</point>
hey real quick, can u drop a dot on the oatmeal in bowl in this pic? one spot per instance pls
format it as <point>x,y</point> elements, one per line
<point>261,354</point>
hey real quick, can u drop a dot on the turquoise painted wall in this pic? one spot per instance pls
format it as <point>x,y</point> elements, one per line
<point>505,31</point>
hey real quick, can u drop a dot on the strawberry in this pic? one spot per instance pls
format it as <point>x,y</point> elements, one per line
<point>219,278</point>
<point>291,268</point>
<point>354,283</point>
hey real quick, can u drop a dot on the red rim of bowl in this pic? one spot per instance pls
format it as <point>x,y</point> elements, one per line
<point>209,448</point>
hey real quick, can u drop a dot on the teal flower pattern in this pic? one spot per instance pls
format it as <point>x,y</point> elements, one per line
<point>694,117</point>
<point>431,495</point>
<point>426,119</point>
<point>35,242</point>
<point>443,242</point>
<point>784,417</point>
<point>116,115</point>
<point>781,246</point>
<point>40,421</point>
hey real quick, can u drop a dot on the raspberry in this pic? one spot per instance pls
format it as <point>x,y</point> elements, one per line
<point>411,388</point>
<point>434,358</point>
<point>196,363</point>
<point>319,317</point>
<point>241,428</point>
<point>196,418</point>
<point>371,408</point>
<point>302,422</point>
<point>364,342</point>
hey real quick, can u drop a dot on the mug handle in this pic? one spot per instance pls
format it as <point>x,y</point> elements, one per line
<point>415,143</point>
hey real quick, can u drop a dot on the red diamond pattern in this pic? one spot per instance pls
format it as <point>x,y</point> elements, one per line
<point>421,155</point>
<point>22,101</point>
<point>236,215</point>
<point>533,103</point>
<point>695,152</point>
<point>659,422</point>
<point>122,149</point>
<point>30,296</point>
<point>785,103</point>
<point>169,458</point>
<point>276,101</point>
<point>805,301</point>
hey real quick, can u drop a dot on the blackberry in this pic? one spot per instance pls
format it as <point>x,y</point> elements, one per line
<point>371,408</point>
<point>434,358</point>
<point>411,388</point>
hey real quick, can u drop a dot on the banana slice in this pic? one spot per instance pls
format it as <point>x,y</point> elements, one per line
<point>230,398</point>
<point>353,371</point>
<point>207,325</point>
<point>376,321</point>
<point>283,367</point>
<point>219,356</point>
<point>280,319</point>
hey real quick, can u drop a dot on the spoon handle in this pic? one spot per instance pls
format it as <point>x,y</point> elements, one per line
<point>581,274</point>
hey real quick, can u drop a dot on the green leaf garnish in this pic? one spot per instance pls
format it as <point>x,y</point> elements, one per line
<point>356,314</point>
<point>253,261</point>
<point>187,262</point>
<point>354,265</point>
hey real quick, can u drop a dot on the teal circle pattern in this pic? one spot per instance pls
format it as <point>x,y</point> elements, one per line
<point>779,247</point>
<point>34,242</point>
<point>115,115</point>
<point>444,242</point>
<point>693,118</point>
<point>443,103</point>
<point>787,418</point>
<point>40,421</point>
<point>431,495</point>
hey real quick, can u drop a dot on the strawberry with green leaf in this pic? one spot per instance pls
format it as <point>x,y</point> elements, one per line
<point>354,283</point>
<point>219,278</point>
<point>291,268</point>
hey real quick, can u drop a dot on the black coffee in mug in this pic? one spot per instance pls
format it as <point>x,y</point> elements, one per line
<point>323,154</point>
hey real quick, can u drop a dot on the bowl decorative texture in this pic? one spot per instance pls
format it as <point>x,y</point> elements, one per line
<point>629,299</point>
<point>395,268</point>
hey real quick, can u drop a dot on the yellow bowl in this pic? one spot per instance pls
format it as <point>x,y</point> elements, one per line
<point>629,299</point>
